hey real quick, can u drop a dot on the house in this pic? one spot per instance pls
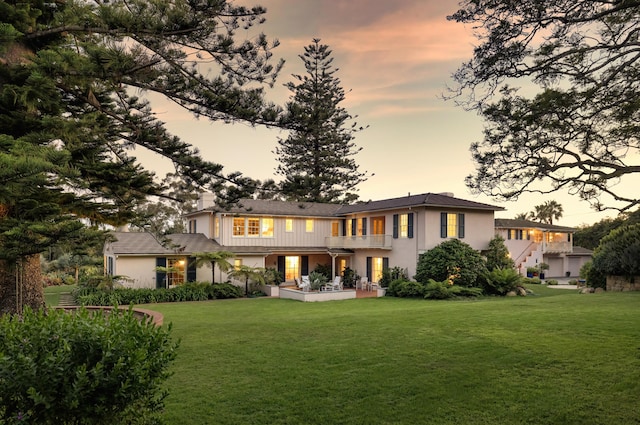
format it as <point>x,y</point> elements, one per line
<point>146,262</point>
<point>295,237</point>
<point>531,243</point>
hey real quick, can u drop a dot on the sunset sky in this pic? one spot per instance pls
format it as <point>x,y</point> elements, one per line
<point>395,60</point>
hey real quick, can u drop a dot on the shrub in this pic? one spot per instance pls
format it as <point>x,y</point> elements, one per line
<point>531,280</point>
<point>500,281</point>
<point>389,275</point>
<point>617,254</point>
<point>82,368</point>
<point>453,261</point>
<point>439,290</point>
<point>318,280</point>
<point>498,255</point>
<point>551,282</point>
<point>221,291</point>
<point>405,289</point>
<point>324,269</point>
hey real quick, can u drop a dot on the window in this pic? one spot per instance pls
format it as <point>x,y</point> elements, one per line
<point>216,225</point>
<point>309,225</point>
<point>451,225</point>
<point>335,228</point>
<point>288,225</point>
<point>253,227</point>
<point>238,226</point>
<point>375,266</point>
<point>291,268</point>
<point>403,225</point>
<point>192,226</point>
<point>267,228</point>
<point>515,234</point>
<point>237,263</point>
<point>175,271</point>
<point>377,225</point>
<point>362,226</point>
<point>349,227</point>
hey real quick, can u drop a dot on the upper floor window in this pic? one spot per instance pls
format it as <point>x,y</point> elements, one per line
<point>335,228</point>
<point>451,225</point>
<point>253,227</point>
<point>192,226</point>
<point>308,226</point>
<point>288,225</point>
<point>517,234</point>
<point>216,225</point>
<point>403,225</point>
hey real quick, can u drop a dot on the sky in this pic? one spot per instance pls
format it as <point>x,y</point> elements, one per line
<point>395,60</point>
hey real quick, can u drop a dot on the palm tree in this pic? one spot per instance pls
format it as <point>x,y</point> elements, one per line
<point>247,273</point>
<point>525,216</point>
<point>212,258</point>
<point>547,212</point>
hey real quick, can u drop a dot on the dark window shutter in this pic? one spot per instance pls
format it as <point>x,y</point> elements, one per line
<point>395,226</point>
<point>369,261</point>
<point>385,263</point>
<point>160,276</point>
<point>443,225</point>
<point>354,226</point>
<point>191,269</point>
<point>528,236</point>
<point>508,234</point>
<point>364,226</point>
<point>281,266</point>
<point>305,265</point>
<point>461,226</point>
<point>410,226</point>
<point>344,227</point>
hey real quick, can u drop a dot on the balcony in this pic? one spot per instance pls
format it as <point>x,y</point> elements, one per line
<point>557,247</point>
<point>360,242</point>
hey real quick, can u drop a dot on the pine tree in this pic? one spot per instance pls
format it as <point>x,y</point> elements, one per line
<point>72,77</point>
<point>316,159</point>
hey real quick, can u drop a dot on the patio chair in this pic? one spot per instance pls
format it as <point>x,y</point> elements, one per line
<point>305,285</point>
<point>336,285</point>
<point>363,283</point>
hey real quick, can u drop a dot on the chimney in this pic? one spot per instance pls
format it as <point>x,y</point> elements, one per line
<point>206,200</point>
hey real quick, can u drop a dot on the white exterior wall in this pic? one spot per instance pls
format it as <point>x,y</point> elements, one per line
<point>140,271</point>
<point>478,228</point>
<point>298,238</point>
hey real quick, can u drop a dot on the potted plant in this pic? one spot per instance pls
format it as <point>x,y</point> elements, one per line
<point>272,280</point>
<point>543,267</point>
<point>532,271</point>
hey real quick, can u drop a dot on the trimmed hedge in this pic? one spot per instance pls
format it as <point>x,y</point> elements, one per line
<point>195,291</point>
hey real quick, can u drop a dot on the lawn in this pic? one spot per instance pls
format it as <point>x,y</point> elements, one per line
<point>554,358</point>
<point>52,293</point>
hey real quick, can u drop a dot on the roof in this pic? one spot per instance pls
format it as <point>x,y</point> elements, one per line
<point>508,223</point>
<point>421,200</point>
<point>140,243</point>
<point>281,208</point>
<point>578,250</point>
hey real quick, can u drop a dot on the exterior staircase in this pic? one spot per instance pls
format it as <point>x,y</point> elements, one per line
<point>66,300</point>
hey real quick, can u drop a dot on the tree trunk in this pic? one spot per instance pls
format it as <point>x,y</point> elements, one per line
<point>21,285</point>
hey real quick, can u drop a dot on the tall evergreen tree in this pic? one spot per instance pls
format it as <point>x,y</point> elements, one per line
<point>72,74</point>
<point>316,159</point>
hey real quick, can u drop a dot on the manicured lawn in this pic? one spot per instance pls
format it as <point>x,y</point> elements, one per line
<point>555,358</point>
<point>52,293</point>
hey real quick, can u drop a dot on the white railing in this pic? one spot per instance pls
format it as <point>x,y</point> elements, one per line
<point>360,242</point>
<point>557,247</point>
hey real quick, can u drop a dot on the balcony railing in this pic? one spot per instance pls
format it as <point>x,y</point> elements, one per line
<point>360,242</point>
<point>559,247</point>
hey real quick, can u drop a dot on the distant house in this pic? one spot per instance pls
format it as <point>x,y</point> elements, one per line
<point>137,256</point>
<point>531,243</point>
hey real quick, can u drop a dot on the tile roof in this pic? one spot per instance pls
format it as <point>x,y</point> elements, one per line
<point>508,223</point>
<point>281,208</point>
<point>136,243</point>
<point>421,200</point>
<point>578,250</point>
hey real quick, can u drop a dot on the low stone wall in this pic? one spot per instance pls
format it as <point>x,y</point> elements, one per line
<point>294,294</point>
<point>141,313</point>
<point>622,283</point>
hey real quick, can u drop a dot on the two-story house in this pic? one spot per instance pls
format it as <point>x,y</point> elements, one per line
<point>296,237</point>
<point>531,243</point>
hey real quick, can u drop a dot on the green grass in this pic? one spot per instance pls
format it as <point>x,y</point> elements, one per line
<point>554,358</point>
<point>52,293</point>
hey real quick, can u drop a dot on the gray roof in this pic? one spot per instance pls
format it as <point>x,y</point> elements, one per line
<point>281,208</point>
<point>509,223</point>
<point>140,243</point>
<point>421,200</point>
<point>578,250</point>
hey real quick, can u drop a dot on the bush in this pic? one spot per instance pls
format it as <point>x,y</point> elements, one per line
<point>405,289</point>
<point>498,255</point>
<point>500,281</point>
<point>192,291</point>
<point>453,261</point>
<point>444,290</point>
<point>82,368</point>
<point>618,254</point>
<point>389,275</point>
<point>551,282</point>
<point>531,280</point>
<point>318,280</point>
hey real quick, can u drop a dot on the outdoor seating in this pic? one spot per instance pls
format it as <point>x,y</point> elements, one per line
<point>336,285</point>
<point>363,283</point>
<point>305,284</point>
